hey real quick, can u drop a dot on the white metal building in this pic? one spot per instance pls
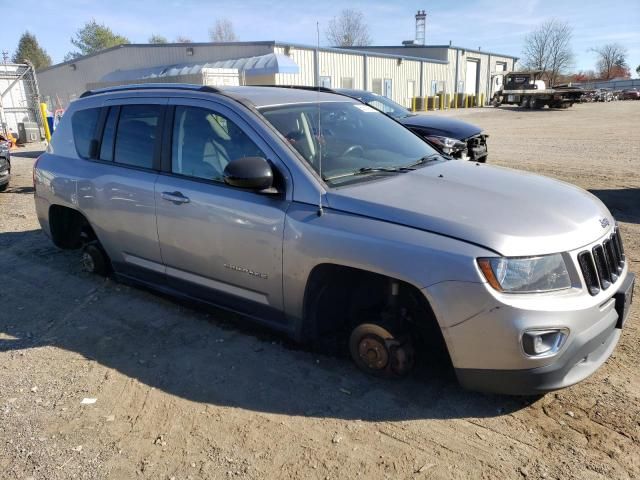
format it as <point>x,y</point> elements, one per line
<point>19,97</point>
<point>400,73</point>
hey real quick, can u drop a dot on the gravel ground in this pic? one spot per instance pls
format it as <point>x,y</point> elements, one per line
<point>182,393</point>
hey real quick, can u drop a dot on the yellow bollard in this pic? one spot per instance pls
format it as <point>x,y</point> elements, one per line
<point>441,101</point>
<point>482,100</point>
<point>43,111</point>
<point>413,104</point>
<point>466,101</point>
<point>455,100</point>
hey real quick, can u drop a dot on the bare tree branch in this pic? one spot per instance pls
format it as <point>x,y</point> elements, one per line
<point>548,48</point>
<point>348,30</point>
<point>612,59</point>
<point>223,31</point>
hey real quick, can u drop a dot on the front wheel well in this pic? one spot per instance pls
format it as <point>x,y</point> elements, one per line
<point>69,228</point>
<point>339,298</point>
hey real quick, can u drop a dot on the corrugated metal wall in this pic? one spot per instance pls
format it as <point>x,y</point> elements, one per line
<point>63,83</point>
<point>304,59</point>
<point>340,65</point>
<point>400,71</point>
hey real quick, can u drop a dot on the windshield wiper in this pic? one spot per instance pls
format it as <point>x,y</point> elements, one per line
<point>367,170</point>
<point>426,159</point>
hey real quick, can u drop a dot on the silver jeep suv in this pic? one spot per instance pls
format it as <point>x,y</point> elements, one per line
<point>325,219</point>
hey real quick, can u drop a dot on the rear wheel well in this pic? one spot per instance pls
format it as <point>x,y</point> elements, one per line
<point>69,228</point>
<point>338,298</point>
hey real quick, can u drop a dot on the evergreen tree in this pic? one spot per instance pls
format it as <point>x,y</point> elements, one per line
<point>92,38</point>
<point>29,49</point>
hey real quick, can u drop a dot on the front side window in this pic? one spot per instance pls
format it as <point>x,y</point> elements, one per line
<point>83,124</point>
<point>136,135</point>
<point>204,143</point>
<point>350,141</point>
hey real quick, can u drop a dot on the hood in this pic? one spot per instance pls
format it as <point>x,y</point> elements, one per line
<point>511,212</point>
<point>441,126</point>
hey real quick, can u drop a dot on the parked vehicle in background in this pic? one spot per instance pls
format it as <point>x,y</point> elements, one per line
<point>5,163</point>
<point>604,95</point>
<point>630,94</point>
<point>320,217</point>
<point>529,91</point>
<point>452,137</point>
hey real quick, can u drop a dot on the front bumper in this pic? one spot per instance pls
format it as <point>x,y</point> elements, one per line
<point>5,173</point>
<point>484,334</point>
<point>585,355</point>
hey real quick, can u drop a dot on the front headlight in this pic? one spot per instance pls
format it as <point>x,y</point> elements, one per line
<point>447,143</point>
<point>526,275</point>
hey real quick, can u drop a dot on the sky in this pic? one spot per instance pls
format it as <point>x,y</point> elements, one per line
<point>495,26</point>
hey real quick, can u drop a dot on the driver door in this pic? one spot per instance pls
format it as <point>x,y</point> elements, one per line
<point>219,243</point>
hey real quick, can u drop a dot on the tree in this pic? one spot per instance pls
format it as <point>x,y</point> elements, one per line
<point>157,39</point>
<point>348,29</point>
<point>585,76</point>
<point>223,31</point>
<point>29,50</point>
<point>548,48</point>
<point>611,60</point>
<point>638,70</point>
<point>94,37</point>
<point>183,39</point>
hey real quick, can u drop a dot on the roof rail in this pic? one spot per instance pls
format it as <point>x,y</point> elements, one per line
<point>152,86</point>
<point>301,87</point>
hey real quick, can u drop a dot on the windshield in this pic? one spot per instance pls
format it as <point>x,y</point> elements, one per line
<point>353,139</point>
<point>386,105</point>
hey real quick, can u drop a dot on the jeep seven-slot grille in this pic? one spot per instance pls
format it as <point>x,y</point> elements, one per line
<point>602,266</point>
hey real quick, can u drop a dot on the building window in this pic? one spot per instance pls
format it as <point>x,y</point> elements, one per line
<point>376,86</point>
<point>325,82</point>
<point>434,87</point>
<point>388,88</point>
<point>346,82</point>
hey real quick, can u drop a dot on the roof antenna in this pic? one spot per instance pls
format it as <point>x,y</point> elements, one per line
<point>320,210</point>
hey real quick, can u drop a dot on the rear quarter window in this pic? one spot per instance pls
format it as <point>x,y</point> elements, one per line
<point>83,124</point>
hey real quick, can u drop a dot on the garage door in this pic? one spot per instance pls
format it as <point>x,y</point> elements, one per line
<point>471,79</point>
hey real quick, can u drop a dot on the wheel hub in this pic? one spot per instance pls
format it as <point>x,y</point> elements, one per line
<point>373,353</point>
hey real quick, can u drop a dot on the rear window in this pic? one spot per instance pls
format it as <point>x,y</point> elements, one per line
<point>136,135</point>
<point>84,130</point>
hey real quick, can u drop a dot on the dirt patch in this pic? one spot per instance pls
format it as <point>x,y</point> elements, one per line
<point>182,393</point>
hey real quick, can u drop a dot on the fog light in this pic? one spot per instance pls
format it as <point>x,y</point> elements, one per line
<point>544,342</point>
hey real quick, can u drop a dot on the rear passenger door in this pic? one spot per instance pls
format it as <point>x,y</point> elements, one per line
<point>218,242</point>
<point>122,178</point>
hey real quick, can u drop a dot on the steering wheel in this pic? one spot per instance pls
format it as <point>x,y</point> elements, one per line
<point>352,149</point>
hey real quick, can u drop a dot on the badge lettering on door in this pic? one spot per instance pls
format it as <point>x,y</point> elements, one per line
<point>248,271</point>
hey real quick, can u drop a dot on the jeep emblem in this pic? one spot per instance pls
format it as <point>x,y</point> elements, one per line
<point>604,223</point>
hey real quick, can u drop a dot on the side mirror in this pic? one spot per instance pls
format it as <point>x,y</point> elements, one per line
<point>254,173</point>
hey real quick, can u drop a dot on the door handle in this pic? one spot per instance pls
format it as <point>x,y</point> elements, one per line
<point>175,197</point>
